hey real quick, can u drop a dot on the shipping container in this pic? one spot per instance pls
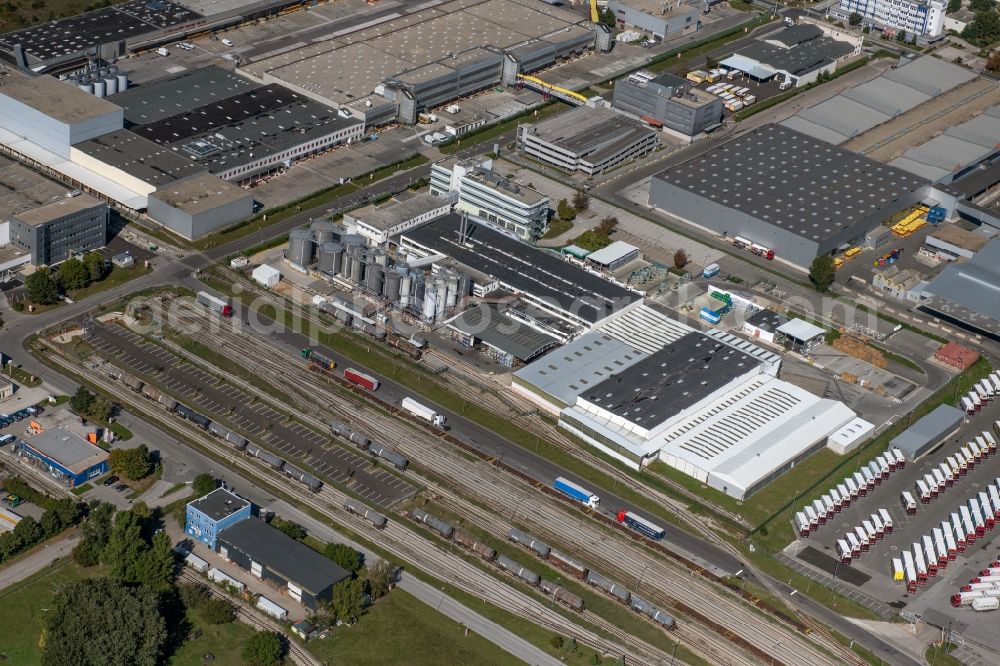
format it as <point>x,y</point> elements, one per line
<point>852,539</point>
<point>886,520</point>
<point>968,405</point>
<point>862,537</point>
<point>225,580</point>
<point>820,510</point>
<point>869,530</point>
<point>845,551</point>
<point>940,548</point>
<point>813,518</point>
<point>986,604</point>
<point>361,379</point>
<point>196,563</point>
<point>898,575</point>
<point>222,306</point>
<point>900,458</point>
<point>802,524</point>
<point>991,442</point>
<point>908,503</point>
<point>868,477</point>
<point>964,598</point>
<point>918,563</point>
<point>878,525</point>
<point>949,539</point>
<point>831,509</point>
<point>845,494</point>
<point>852,488</point>
<point>940,479</point>
<point>923,492</point>
<point>271,608</point>
<point>838,502</point>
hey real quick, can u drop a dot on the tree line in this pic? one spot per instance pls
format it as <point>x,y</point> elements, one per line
<point>46,285</point>
<point>59,515</point>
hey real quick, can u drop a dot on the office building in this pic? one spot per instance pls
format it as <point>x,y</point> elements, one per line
<point>668,101</point>
<point>380,222</point>
<point>922,18</point>
<point>662,19</point>
<point>481,192</point>
<point>290,566</point>
<point>585,139</point>
<point>65,455</point>
<point>206,517</point>
<point>787,192</point>
<point>56,231</point>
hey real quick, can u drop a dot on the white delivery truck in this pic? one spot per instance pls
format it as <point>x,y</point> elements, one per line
<point>423,411</point>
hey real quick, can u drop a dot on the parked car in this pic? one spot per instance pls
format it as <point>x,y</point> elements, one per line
<point>110,480</point>
<point>228,42</point>
<point>121,487</point>
<point>187,46</point>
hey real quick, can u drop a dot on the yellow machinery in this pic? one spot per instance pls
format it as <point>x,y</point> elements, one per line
<point>595,15</point>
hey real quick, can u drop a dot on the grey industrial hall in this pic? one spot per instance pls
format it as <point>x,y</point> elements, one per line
<point>787,191</point>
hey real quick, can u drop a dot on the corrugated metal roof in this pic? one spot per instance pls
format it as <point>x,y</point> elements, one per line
<point>927,431</point>
<point>487,323</point>
<point>975,284</point>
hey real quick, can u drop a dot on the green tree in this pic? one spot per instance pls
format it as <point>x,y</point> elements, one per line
<point>984,29</point>
<point>581,200</point>
<point>345,556</point>
<point>993,62</point>
<point>60,515</point>
<point>565,211</point>
<point>96,532</point>
<point>608,18</point>
<point>73,274</point>
<point>290,528</point>
<point>348,600</point>
<point>126,548</point>
<point>381,576</point>
<point>133,464</point>
<point>101,408</point>
<point>953,6</point>
<point>822,272</point>
<point>155,567</point>
<point>102,621</point>
<point>264,648</point>
<point>982,5</point>
<point>680,259</point>
<point>81,401</point>
<point>95,265</point>
<point>855,19</point>
<point>41,288</point>
<point>203,484</point>
<point>216,610</point>
<point>193,595</point>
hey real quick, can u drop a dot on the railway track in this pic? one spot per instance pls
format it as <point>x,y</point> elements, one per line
<point>404,543</point>
<point>246,615</point>
<point>696,596</point>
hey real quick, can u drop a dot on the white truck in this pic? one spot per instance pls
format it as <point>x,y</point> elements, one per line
<point>423,411</point>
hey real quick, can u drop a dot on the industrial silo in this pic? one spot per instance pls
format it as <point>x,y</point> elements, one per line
<point>110,84</point>
<point>373,277</point>
<point>393,278</point>
<point>323,232</point>
<point>300,247</point>
<point>405,289</point>
<point>329,257</point>
<point>430,303</point>
<point>86,85</point>
<point>345,267</point>
<point>464,285</point>
<point>417,295</point>
<point>452,296</point>
<point>358,264</point>
<point>440,293</point>
<point>122,81</point>
<point>99,87</point>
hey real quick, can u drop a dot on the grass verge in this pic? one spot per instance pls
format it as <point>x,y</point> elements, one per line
<point>557,228</point>
<point>939,654</point>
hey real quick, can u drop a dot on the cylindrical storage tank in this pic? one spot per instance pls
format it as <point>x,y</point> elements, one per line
<point>86,86</point>
<point>99,87</point>
<point>391,289</point>
<point>327,256</point>
<point>357,265</point>
<point>451,297</point>
<point>440,294</point>
<point>110,84</point>
<point>323,231</point>
<point>345,266</point>
<point>122,81</point>
<point>464,285</point>
<point>430,303</point>
<point>548,587</point>
<point>373,278</point>
<point>300,247</point>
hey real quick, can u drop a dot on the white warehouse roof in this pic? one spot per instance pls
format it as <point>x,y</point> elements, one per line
<point>645,329</point>
<point>800,329</point>
<point>611,253</point>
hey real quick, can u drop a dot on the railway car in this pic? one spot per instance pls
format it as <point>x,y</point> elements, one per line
<point>257,452</point>
<point>466,540</point>
<point>640,605</point>
<point>443,528</point>
<point>531,543</point>
<point>194,417</point>
<point>614,589</point>
<point>568,564</point>
<point>405,346</point>
<point>238,441</point>
<point>318,359</point>
<point>373,517</point>
<point>303,477</point>
<point>562,595</point>
<point>166,401</point>
<point>522,572</point>
<point>654,531</point>
<point>352,436</point>
<point>385,453</point>
<point>128,380</point>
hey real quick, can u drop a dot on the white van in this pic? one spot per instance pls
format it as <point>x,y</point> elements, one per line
<point>163,52</point>
<point>785,85</point>
<point>228,42</point>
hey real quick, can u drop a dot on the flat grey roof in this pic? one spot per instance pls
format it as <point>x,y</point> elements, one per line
<point>974,285</point>
<point>794,181</point>
<point>387,215</point>
<point>669,381</point>
<point>22,189</point>
<point>219,503</point>
<point>150,102</point>
<point>139,157</point>
<point>57,209</point>
<point>200,193</point>
<point>524,268</point>
<point>67,448</point>
<point>795,34</point>
<point>928,430</point>
<point>588,360</point>
<point>767,320</point>
<point>485,322</point>
<point>582,130</point>
<point>294,561</point>
<point>869,104</point>
<point>58,99</point>
<point>507,187</point>
<point>804,57</point>
<point>960,146</point>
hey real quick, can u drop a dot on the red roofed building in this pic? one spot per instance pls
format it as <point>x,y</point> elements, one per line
<point>956,355</point>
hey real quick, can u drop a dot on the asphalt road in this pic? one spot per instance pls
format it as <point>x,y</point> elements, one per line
<point>32,564</point>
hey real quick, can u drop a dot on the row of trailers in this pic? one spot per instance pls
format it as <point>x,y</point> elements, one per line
<point>984,390</point>
<point>860,539</point>
<point>544,552</point>
<point>933,551</point>
<point>237,441</point>
<point>856,485</point>
<point>942,477</point>
<point>982,592</point>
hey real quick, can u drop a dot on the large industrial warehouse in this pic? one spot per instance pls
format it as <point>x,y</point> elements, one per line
<point>397,69</point>
<point>642,387</point>
<point>786,191</point>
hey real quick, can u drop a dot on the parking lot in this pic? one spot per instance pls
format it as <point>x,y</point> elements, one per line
<point>818,552</point>
<point>760,90</point>
<point>221,401</point>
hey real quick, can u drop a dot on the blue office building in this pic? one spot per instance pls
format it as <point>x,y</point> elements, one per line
<point>207,516</point>
<point>65,455</point>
